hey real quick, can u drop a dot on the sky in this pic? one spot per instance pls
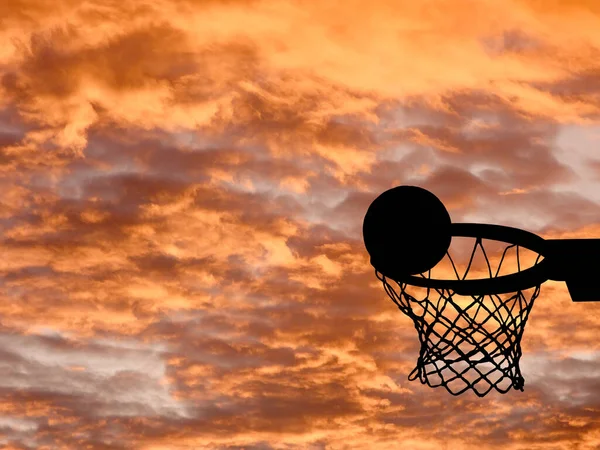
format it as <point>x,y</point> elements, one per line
<point>182,189</point>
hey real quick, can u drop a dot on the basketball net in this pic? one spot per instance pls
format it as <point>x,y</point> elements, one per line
<point>467,342</point>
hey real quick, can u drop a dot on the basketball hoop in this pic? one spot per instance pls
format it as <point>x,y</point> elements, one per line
<point>468,341</point>
<point>470,330</point>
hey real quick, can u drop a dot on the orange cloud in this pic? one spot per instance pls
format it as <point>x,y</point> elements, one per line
<point>183,187</point>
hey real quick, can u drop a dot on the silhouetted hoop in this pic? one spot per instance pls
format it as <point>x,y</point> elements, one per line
<point>525,279</point>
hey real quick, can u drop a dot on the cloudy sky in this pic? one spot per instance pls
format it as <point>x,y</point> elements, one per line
<point>182,193</point>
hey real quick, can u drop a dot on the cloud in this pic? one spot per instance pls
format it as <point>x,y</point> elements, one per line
<point>183,187</point>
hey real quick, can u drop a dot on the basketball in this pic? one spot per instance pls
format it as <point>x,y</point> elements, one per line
<point>407,231</point>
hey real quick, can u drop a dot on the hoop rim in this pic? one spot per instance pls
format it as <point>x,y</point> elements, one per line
<point>526,279</point>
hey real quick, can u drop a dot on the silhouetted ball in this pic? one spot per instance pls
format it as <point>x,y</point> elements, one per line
<point>406,231</point>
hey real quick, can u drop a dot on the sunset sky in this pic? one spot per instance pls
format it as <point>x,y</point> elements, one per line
<point>182,193</point>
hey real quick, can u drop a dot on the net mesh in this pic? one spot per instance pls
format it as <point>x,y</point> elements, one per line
<point>467,342</point>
